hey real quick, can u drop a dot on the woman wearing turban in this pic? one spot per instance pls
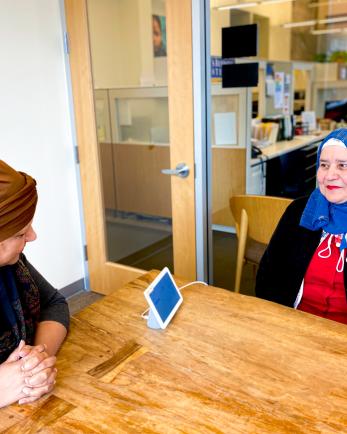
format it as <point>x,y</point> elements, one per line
<point>34,317</point>
<point>304,265</point>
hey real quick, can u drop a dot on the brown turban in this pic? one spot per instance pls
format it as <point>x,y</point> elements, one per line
<point>18,198</point>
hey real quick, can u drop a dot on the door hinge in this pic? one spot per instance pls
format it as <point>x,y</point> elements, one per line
<point>66,43</point>
<point>85,252</point>
<point>77,155</point>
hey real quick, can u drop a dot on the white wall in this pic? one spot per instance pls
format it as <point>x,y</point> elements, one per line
<point>35,133</point>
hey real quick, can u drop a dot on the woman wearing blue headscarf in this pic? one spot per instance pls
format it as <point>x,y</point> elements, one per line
<point>304,265</point>
<point>34,317</point>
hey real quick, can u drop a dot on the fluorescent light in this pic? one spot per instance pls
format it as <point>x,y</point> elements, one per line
<point>313,22</point>
<point>300,24</point>
<point>266,2</point>
<point>251,4</point>
<point>238,6</point>
<point>333,20</point>
<point>325,31</point>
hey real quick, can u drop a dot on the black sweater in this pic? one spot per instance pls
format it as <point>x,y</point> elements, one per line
<point>287,257</point>
<point>53,306</point>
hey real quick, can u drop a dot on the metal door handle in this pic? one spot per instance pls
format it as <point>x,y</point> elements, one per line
<point>181,170</point>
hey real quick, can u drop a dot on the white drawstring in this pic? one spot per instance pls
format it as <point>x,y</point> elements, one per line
<point>340,262</point>
<point>327,248</point>
<point>339,268</point>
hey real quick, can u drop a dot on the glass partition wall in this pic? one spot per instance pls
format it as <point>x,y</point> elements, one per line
<point>302,65</point>
<point>302,68</point>
<point>129,64</point>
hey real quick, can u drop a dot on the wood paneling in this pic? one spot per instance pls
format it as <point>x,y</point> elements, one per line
<point>107,174</point>
<point>140,185</point>
<point>229,178</point>
<point>181,110</point>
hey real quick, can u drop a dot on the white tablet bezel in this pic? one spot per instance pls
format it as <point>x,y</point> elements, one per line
<point>147,294</point>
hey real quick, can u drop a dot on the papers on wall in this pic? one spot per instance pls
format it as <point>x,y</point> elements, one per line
<point>279,90</point>
<point>270,86</point>
<point>309,118</point>
<point>225,129</point>
<point>286,94</point>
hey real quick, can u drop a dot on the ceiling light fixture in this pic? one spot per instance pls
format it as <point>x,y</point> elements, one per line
<point>313,22</point>
<point>237,6</point>
<point>300,24</point>
<point>251,4</point>
<point>266,2</point>
<point>333,20</point>
<point>325,31</point>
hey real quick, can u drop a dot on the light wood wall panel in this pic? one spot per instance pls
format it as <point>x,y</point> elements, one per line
<point>229,178</point>
<point>181,110</point>
<point>107,174</point>
<point>140,185</point>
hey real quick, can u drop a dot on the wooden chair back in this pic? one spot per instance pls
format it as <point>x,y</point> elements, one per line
<point>255,217</point>
<point>263,213</point>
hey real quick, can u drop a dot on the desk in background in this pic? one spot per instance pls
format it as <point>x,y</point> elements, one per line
<point>286,168</point>
<point>227,363</point>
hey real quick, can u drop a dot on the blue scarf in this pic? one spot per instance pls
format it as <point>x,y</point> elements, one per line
<point>319,213</point>
<point>19,307</point>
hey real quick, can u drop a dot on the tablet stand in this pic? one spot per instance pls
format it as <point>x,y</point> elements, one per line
<point>152,321</point>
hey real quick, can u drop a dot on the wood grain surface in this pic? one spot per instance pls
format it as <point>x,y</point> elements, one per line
<point>228,363</point>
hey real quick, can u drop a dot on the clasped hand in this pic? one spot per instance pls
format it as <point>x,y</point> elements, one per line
<point>26,375</point>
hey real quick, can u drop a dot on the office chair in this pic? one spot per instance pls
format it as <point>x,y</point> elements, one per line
<point>256,218</point>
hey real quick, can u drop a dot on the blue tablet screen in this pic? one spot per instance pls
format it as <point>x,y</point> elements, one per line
<point>164,297</point>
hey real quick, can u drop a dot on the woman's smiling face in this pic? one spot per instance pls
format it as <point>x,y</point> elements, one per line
<point>332,174</point>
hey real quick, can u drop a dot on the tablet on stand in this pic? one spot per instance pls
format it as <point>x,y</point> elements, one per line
<point>163,298</point>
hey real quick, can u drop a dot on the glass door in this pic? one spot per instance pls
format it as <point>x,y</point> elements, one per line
<point>131,67</point>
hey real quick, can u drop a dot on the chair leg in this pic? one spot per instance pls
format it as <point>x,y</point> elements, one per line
<point>241,249</point>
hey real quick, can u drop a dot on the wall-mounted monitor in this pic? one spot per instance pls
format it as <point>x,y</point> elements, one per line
<point>240,75</point>
<point>239,41</point>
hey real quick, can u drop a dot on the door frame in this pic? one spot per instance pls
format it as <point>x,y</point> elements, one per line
<point>202,131</point>
<point>106,276</point>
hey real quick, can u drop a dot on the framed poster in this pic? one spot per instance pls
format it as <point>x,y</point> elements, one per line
<point>159,35</point>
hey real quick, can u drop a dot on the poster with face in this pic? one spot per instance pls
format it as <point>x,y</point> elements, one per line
<point>159,35</point>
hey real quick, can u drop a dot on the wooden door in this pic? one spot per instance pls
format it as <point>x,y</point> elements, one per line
<point>106,276</point>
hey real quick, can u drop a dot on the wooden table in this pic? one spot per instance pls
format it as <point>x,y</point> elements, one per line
<point>227,363</point>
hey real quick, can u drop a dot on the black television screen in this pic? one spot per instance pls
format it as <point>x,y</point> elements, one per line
<point>336,110</point>
<point>239,41</point>
<point>240,75</point>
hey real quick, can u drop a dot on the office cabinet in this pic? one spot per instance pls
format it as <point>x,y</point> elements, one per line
<point>292,174</point>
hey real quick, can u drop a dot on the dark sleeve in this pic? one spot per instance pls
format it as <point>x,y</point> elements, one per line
<point>53,305</point>
<point>286,258</point>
